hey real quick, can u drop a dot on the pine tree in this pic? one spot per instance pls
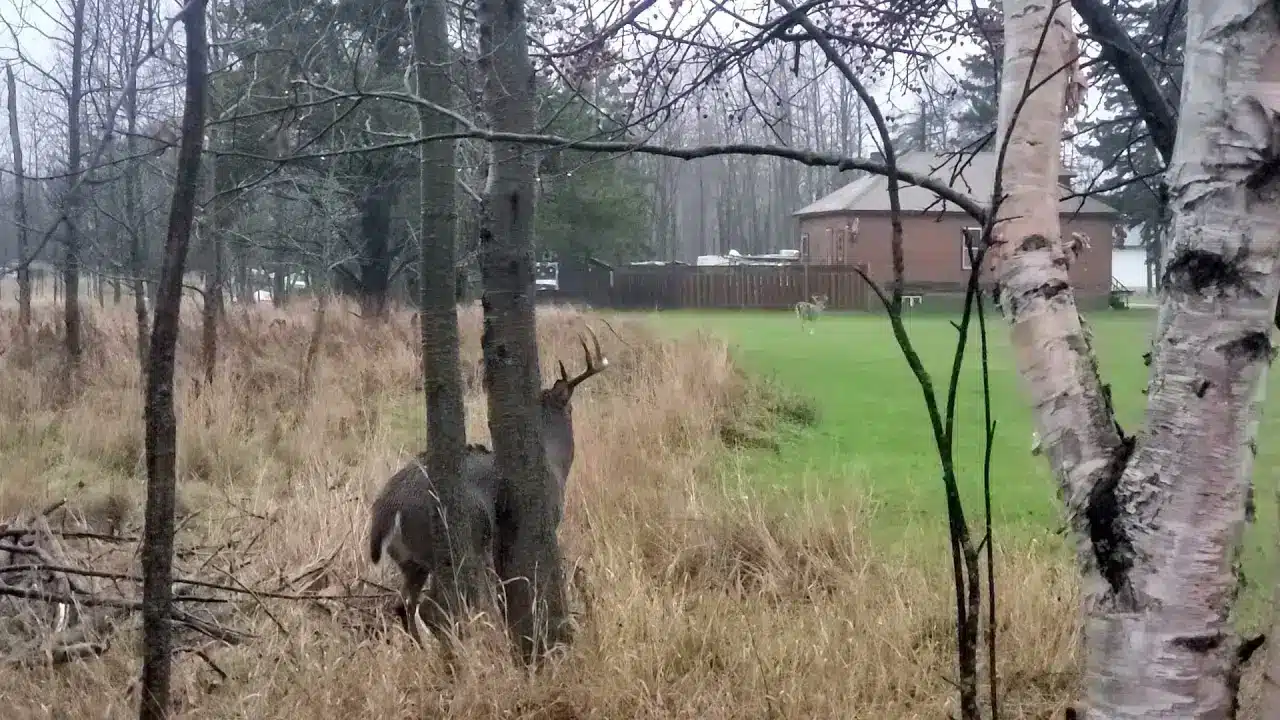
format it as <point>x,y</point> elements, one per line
<point>1119,146</point>
<point>979,82</point>
<point>980,93</point>
<point>929,126</point>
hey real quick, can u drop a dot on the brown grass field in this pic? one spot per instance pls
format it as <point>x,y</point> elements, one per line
<point>695,600</point>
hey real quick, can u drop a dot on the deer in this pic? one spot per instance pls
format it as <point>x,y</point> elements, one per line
<point>809,312</point>
<point>426,540</point>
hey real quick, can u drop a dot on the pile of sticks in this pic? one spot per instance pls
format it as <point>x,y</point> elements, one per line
<point>59,603</point>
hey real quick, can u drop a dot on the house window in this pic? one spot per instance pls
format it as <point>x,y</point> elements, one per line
<point>829,250</point>
<point>804,245</point>
<point>970,246</point>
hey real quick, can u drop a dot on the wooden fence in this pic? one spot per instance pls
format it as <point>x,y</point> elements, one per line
<point>673,287</point>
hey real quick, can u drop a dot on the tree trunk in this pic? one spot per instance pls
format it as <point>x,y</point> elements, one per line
<point>20,211</point>
<point>375,227</point>
<point>527,556</point>
<point>248,293</point>
<point>215,277</point>
<point>278,290</point>
<point>1158,528</point>
<point>134,218</point>
<point>441,374</point>
<point>212,310</point>
<point>71,238</point>
<point>161,437</point>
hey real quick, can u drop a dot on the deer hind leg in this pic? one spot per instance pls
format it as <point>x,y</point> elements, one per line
<point>451,593</point>
<point>415,576</point>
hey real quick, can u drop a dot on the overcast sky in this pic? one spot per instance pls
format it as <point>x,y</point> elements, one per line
<point>31,24</point>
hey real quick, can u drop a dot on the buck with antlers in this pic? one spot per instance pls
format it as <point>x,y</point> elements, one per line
<point>449,542</point>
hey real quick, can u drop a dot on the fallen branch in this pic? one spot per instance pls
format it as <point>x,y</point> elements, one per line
<point>177,615</point>
<point>207,628</point>
<point>58,655</point>
<point>241,590</point>
<point>89,600</point>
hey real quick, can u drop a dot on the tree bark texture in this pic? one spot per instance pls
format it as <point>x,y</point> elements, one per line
<point>20,210</point>
<point>71,238</point>
<point>1072,410</point>
<point>527,556</point>
<point>1158,518</point>
<point>161,424</point>
<point>441,372</point>
<point>1186,483</point>
<point>214,217</point>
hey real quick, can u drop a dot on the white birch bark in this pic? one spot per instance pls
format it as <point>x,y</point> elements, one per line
<point>1169,651</point>
<point>1073,415</point>
<point>1158,546</point>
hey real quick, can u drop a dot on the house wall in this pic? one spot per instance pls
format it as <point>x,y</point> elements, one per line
<point>932,247</point>
<point>1129,266</point>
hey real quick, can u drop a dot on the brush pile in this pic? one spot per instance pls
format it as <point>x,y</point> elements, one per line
<point>67,590</point>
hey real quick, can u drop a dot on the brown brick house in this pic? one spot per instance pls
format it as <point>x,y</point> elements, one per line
<point>851,225</point>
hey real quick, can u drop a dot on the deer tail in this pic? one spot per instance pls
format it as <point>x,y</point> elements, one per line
<point>385,526</point>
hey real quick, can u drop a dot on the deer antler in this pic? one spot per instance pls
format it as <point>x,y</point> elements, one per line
<point>592,367</point>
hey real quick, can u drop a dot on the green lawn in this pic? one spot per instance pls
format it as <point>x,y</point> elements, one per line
<point>873,438</point>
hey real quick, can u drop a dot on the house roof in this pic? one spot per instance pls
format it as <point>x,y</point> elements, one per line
<point>976,176</point>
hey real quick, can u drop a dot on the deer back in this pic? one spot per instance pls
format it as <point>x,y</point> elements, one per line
<point>410,507</point>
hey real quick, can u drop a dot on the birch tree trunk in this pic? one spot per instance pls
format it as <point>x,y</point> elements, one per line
<point>1158,519</point>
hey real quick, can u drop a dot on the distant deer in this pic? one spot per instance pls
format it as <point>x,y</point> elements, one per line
<point>809,312</point>
<point>410,525</point>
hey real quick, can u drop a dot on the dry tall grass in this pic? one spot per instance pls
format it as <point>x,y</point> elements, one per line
<point>697,602</point>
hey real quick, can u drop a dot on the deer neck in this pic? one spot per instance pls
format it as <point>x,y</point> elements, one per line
<point>557,442</point>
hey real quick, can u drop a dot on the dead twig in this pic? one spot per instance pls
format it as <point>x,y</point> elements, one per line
<point>203,655</point>
<point>615,332</point>
<point>208,628</point>
<point>257,597</point>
